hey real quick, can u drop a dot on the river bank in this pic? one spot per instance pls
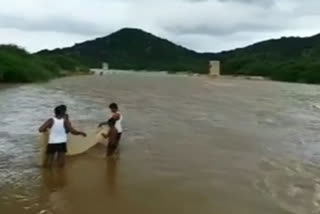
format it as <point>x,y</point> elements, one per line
<point>7,85</point>
<point>241,77</point>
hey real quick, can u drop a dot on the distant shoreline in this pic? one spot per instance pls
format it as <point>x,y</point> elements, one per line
<point>8,85</point>
<point>242,77</point>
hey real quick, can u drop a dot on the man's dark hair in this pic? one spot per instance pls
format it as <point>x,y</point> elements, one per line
<point>58,111</point>
<point>113,106</point>
<point>63,108</point>
<point>111,122</point>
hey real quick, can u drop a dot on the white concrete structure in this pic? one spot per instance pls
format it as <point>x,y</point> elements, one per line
<point>100,71</point>
<point>105,66</point>
<point>214,68</point>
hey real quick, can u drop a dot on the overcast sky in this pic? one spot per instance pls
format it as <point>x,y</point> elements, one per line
<point>202,25</point>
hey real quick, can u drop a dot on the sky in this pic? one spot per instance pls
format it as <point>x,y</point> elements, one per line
<point>201,25</point>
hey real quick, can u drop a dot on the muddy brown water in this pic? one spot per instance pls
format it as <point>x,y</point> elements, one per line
<point>190,145</point>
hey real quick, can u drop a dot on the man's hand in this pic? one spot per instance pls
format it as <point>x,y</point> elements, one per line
<point>102,124</point>
<point>83,134</point>
<point>104,135</point>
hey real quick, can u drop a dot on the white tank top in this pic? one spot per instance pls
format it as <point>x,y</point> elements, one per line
<point>58,132</point>
<point>118,123</point>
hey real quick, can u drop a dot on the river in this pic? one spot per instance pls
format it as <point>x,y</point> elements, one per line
<point>190,145</point>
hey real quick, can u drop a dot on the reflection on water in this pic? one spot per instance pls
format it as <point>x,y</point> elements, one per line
<point>111,176</point>
<point>54,179</point>
<point>191,145</point>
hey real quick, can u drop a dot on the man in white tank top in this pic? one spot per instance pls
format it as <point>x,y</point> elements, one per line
<point>117,116</point>
<point>59,127</point>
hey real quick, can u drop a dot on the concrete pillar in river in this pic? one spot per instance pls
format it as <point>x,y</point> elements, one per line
<point>105,66</point>
<point>214,67</point>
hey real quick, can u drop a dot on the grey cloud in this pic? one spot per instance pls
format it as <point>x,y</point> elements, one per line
<point>214,20</point>
<point>53,24</point>
<point>221,30</point>
<point>249,1</point>
<point>261,2</point>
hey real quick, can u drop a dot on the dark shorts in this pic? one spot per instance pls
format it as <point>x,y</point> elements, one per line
<point>57,147</point>
<point>119,137</point>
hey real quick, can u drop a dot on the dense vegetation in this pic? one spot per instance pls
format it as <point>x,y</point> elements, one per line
<point>17,65</point>
<point>285,59</point>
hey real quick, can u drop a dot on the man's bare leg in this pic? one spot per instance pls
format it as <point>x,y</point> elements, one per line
<point>117,153</point>
<point>61,159</point>
<point>48,161</point>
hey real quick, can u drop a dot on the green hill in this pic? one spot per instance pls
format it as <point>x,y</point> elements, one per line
<point>134,49</point>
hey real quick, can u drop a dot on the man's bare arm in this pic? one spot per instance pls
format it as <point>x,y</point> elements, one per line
<point>103,124</point>
<point>73,131</point>
<point>47,125</point>
<point>115,116</point>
